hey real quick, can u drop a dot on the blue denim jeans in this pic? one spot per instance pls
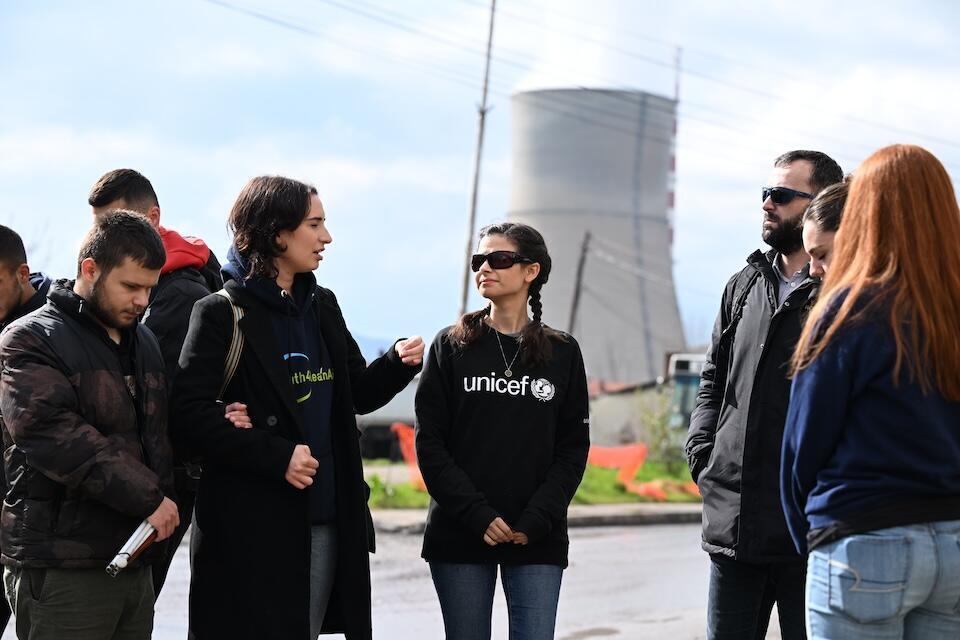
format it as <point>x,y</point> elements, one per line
<point>888,584</point>
<point>466,599</point>
<point>323,572</point>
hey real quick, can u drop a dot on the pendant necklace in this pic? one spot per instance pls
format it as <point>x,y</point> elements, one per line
<point>509,367</point>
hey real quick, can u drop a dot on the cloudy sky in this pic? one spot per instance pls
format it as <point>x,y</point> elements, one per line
<point>375,103</point>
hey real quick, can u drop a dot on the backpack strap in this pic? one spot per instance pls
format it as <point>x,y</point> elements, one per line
<point>741,289</point>
<point>236,344</point>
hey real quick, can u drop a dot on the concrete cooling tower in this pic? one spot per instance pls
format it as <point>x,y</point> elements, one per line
<point>602,161</point>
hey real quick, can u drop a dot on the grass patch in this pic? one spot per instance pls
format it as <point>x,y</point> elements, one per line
<point>395,496</point>
<point>599,486</point>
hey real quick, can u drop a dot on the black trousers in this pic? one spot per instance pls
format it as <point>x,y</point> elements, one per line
<point>742,596</point>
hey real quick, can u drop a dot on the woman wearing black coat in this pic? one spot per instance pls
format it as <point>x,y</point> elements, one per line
<point>282,527</point>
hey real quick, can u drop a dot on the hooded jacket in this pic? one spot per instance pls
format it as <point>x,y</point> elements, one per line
<point>86,447</point>
<point>736,429</point>
<point>308,365</point>
<point>191,272</point>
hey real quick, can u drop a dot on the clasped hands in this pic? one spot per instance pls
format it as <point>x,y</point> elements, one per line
<point>499,532</point>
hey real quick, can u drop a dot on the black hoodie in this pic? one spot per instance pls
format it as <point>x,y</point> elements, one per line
<point>308,364</point>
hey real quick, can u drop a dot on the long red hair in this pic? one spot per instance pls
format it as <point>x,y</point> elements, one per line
<point>900,238</point>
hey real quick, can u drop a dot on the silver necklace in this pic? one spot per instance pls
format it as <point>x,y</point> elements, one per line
<point>509,367</point>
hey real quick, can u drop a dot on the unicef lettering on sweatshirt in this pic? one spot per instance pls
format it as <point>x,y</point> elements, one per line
<point>540,388</point>
<point>302,376</point>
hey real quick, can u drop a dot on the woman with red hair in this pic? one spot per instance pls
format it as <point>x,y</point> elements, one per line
<point>870,479</point>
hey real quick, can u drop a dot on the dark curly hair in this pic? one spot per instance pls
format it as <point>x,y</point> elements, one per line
<point>535,336</point>
<point>266,206</point>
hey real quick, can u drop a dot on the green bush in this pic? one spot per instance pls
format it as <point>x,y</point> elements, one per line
<point>599,486</point>
<point>395,496</point>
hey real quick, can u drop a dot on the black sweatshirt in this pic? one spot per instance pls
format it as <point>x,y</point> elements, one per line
<point>493,446</point>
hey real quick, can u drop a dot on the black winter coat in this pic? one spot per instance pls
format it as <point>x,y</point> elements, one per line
<point>87,461</point>
<point>736,430</point>
<point>251,562</point>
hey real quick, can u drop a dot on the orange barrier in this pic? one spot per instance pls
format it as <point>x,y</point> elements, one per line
<point>406,436</point>
<point>627,459</point>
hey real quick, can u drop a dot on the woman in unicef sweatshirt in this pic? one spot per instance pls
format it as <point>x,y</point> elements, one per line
<point>871,453</point>
<point>502,440</point>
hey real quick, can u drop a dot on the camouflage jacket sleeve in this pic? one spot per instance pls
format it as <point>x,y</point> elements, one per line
<point>40,410</point>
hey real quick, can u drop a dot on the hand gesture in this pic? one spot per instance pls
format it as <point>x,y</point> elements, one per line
<point>520,538</point>
<point>236,413</point>
<point>497,531</point>
<point>410,351</point>
<point>302,467</point>
<point>165,519</point>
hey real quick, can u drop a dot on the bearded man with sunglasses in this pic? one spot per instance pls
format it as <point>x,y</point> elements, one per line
<point>736,430</point>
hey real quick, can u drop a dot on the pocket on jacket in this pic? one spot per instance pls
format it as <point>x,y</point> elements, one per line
<point>868,576</point>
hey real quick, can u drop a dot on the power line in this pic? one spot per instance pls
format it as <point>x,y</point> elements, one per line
<point>753,90</point>
<point>399,21</point>
<point>612,120</point>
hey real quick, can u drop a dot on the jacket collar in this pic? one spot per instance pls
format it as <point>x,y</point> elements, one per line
<point>64,298</point>
<point>763,262</point>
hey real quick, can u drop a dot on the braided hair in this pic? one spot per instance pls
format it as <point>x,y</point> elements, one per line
<point>535,337</point>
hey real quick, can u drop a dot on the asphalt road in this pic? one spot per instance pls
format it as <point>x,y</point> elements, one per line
<point>623,582</point>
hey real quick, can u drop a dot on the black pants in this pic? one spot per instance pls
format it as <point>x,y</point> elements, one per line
<point>742,596</point>
<point>186,498</point>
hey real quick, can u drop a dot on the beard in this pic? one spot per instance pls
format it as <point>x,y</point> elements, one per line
<point>787,237</point>
<point>102,311</point>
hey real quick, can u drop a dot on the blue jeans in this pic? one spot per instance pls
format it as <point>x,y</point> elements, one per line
<point>323,572</point>
<point>466,599</point>
<point>902,582</point>
<point>742,595</point>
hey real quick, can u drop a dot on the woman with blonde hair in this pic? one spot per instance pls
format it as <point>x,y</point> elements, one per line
<point>870,477</point>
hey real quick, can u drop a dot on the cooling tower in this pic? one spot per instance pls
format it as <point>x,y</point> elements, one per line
<point>602,161</point>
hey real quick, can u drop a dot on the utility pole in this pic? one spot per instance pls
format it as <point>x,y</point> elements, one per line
<point>482,112</point>
<point>578,283</point>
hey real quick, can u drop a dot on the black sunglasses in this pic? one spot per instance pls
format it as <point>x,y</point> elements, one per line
<point>782,195</point>
<point>497,260</point>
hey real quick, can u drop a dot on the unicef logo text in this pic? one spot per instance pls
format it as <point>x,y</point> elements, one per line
<point>541,388</point>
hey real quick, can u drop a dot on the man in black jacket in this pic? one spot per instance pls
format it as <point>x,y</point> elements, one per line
<point>84,403</point>
<point>736,430</point>
<point>20,293</point>
<point>190,273</point>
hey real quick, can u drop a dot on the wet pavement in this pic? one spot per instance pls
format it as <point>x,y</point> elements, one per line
<point>623,583</point>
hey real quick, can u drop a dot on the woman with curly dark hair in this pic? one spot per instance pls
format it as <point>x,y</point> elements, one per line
<point>502,441</point>
<point>282,529</point>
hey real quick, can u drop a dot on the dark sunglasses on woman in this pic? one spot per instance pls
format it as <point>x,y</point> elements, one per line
<point>783,195</point>
<point>497,260</point>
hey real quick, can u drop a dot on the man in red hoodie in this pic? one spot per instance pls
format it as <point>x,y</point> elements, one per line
<point>190,273</point>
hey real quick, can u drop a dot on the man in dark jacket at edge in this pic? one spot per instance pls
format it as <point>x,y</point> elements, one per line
<point>21,292</point>
<point>736,430</point>
<point>191,272</point>
<point>84,403</point>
